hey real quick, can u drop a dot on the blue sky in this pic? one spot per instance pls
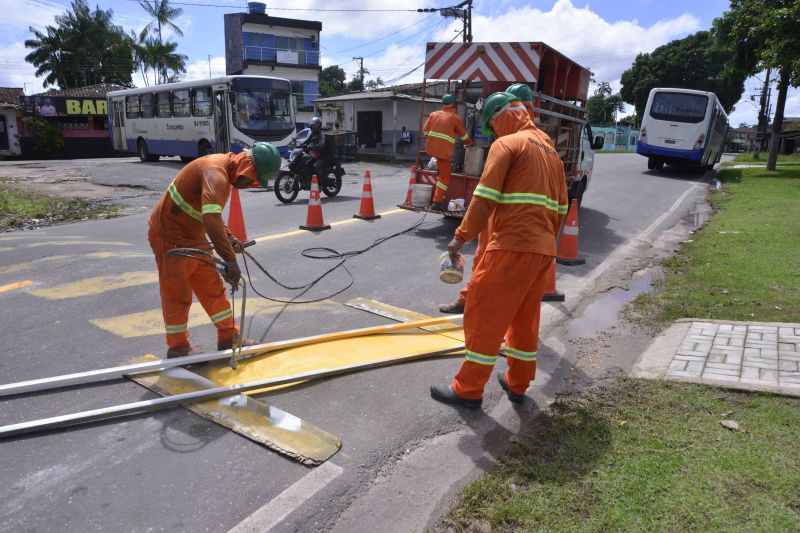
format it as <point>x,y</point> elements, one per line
<point>604,35</point>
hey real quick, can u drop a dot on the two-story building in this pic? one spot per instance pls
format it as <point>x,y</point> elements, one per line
<point>260,44</point>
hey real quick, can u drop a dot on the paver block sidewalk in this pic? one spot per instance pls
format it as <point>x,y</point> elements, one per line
<point>742,355</point>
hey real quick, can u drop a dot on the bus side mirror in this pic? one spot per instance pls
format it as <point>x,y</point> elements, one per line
<point>598,143</point>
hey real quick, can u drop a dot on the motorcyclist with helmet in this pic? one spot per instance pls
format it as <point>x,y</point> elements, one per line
<point>315,146</point>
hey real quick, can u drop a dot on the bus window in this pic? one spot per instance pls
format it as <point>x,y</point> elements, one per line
<point>163,108</point>
<point>201,102</point>
<point>679,107</point>
<point>132,107</point>
<point>181,103</point>
<point>147,104</point>
<point>262,110</point>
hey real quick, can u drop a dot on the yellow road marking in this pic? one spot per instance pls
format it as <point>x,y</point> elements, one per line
<point>152,322</point>
<point>93,255</point>
<point>17,285</point>
<point>6,249</point>
<point>96,285</point>
<point>337,223</point>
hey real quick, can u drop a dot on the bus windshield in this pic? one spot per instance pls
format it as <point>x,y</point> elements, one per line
<point>679,107</point>
<point>262,109</point>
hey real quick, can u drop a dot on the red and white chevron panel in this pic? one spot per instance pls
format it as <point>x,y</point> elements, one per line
<point>482,61</point>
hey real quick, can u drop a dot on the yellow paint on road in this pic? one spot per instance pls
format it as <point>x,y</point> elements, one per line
<point>67,258</point>
<point>6,249</point>
<point>96,285</point>
<point>337,223</point>
<point>404,345</point>
<point>17,285</point>
<point>152,322</point>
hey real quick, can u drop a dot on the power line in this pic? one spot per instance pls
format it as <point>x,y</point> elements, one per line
<point>272,8</point>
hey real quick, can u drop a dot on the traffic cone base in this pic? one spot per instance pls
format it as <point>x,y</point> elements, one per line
<point>550,292</point>
<point>367,209</point>
<point>568,243</point>
<point>314,220</point>
<point>411,182</point>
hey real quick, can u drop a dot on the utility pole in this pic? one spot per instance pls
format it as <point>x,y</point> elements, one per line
<point>461,11</point>
<point>360,70</point>
<point>209,65</point>
<point>763,118</point>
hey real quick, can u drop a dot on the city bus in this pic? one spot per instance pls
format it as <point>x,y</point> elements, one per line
<point>682,127</point>
<point>195,118</point>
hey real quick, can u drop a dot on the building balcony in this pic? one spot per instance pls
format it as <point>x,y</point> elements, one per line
<point>277,56</point>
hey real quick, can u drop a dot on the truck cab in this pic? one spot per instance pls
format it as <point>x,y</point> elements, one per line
<point>588,145</point>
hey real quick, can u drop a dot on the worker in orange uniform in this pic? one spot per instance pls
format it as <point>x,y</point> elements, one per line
<point>525,94</point>
<point>190,209</point>
<point>522,195</point>
<point>441,130</point>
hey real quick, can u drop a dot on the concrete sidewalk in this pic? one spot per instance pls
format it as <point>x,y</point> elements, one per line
<point>740,355</point>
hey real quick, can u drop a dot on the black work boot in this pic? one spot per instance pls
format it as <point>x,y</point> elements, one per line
<point>455,308</point>
<point>512,396</point>
<point>228,344</point>
<point>437,207</point>
<point>445,394</point>
<point>181,351</point>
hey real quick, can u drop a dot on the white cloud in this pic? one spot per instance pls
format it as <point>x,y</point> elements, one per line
<point>198,70</point>
<point>16,72</point>
<point>19,14</point>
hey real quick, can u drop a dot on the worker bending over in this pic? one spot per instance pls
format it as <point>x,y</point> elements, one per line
<point>525,94</point>
<point>190,209</point>
<point>441,130</point>
<point>522,196</point>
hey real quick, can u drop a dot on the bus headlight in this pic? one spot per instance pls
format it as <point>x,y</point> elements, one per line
<point>700,141</point>
<point>643,135</point>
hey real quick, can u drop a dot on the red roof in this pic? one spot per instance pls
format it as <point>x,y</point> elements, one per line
<point>96,91</point>
<point>9,96</point>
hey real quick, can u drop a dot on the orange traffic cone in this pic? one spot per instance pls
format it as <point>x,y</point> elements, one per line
<point>568,245</point>
<point>550,292</point>
<point>367,210</point>
<point>314,218</point>
<point>411,182</point>
<point>235,217</point>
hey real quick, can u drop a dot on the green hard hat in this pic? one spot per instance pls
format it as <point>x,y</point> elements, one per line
<point>522,91</point>
<point>449,99</point>
<point>267,161</point>
<point>492,105</point>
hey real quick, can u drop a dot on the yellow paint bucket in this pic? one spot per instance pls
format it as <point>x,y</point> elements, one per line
<point>449,272</point>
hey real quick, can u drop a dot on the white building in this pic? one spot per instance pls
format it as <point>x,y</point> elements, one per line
<point>9,125</point>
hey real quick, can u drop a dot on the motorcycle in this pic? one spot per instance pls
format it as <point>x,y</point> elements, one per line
<point>295,174</point>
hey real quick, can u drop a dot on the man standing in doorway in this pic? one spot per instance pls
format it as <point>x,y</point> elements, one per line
<point>405,138</point>
<point>441,130</point>
<point>189,210</point>
<point>522,196</point>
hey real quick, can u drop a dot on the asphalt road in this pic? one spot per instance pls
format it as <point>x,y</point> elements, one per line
<point>173,471</point>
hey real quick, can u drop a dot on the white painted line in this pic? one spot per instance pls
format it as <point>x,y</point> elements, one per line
<point>274,511</point>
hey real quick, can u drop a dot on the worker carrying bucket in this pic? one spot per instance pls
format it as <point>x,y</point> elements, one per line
<point>190,209</point>
<point>522,196</point>
<point>441,130</point>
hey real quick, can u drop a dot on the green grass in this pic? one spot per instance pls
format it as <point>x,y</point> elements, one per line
<point>746,158</point>
<point>19,208</point>
<point>744,264</point>
<point>642,455</point>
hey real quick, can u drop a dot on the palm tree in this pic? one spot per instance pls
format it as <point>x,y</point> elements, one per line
<point>163,13</point>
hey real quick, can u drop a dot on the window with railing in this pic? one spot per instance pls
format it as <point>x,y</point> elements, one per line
<point>305,93</point>
<point>279,49</point>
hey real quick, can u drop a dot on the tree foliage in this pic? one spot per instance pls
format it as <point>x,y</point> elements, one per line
<point>332,81</point>
<point>693,62</point>
<point>759,34</point>
<point>603,106</point>
<point>40,137</point>
<point>83,48</point>
<point>153,53</point>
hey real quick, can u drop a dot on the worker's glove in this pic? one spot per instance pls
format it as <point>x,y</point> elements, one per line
<point>232,273</point>
<point>236,243</point>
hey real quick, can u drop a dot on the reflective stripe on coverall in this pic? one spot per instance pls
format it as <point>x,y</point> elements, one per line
<point>441,130</point>
<point>522,197</point>
<point>189,209</point>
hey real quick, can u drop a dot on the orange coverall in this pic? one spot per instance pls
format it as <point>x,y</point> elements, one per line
<point>441,130</point>
<point>190,209</point>
<point>484,236</point>
<point>522,197</point>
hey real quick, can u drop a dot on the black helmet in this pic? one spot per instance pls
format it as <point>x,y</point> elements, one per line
<point>315,123</point>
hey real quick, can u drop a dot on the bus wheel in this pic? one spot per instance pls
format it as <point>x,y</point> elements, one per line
<point>204,149</point>
<point>658,164</point>
<point>650,164</point>
<point>144,155</point>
